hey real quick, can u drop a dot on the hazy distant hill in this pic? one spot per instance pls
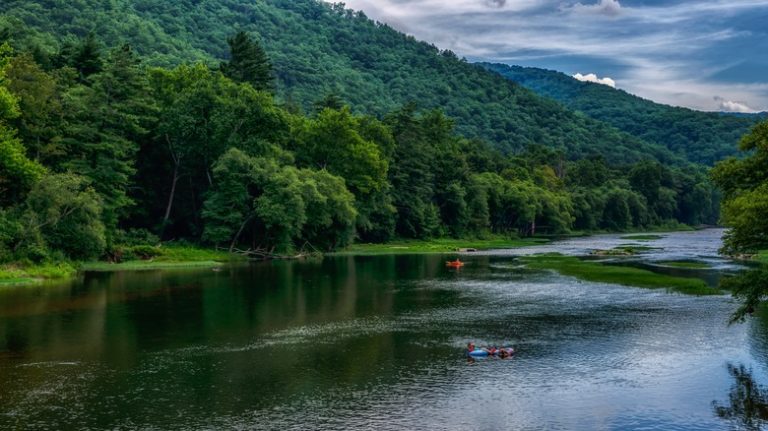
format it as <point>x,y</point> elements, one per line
<point>703,137</point>
<point>318,48</point>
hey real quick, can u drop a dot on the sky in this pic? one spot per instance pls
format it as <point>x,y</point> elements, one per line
<point>709,55</point>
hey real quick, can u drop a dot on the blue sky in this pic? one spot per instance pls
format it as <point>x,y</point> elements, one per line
<point>704,54</point>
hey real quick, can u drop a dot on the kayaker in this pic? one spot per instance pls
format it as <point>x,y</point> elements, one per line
<point>471,346</point>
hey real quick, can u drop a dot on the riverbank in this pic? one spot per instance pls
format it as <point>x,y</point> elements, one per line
<point>164,257</point>
<point>173,256</point>
<point>442,245</point>
<point>17,274</point>
<point>169,257</point>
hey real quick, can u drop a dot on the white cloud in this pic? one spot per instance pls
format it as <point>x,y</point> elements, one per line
<point>731,106</point>
<point>604,7</point>
<point>591,77</point>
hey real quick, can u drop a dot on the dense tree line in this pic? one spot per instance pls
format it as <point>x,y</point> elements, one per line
<point>317,49</point>
<point>100,153</point>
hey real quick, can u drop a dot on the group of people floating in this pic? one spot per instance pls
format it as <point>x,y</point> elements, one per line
<point>503,352</point>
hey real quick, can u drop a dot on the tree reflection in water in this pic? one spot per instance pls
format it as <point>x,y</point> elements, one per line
<point>748,402</point>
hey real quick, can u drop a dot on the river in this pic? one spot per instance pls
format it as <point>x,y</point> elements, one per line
<point>377,342</point>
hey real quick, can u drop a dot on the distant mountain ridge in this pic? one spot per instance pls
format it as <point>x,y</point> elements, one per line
<point>703,137</point>
<point>318,48</point>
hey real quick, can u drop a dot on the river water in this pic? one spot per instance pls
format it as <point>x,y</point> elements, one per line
<point>378,343</point>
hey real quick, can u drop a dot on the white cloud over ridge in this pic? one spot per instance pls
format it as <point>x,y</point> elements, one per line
<point>591,77</point>
<point>603,7</point>
<point>671,53</point>
<point>731,106</point>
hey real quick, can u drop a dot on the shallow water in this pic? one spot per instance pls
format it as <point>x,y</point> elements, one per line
<point>377,343</point>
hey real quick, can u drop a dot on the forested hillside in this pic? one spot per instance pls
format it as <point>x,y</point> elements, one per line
<point>703,137</point>
<point>318,49</point>
<point>103,155</point>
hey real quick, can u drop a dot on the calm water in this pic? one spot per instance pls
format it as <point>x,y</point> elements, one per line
<point>377,343</point>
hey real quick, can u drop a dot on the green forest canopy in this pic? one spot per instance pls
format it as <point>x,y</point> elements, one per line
<point>702,137</point>
<point>320,49</point>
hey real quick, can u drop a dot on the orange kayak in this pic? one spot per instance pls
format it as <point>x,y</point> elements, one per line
<point>454,264</point>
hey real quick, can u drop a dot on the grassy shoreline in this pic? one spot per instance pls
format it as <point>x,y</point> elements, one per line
<point>16,274</point>
<point>169,257</point>
<point>439,246</point>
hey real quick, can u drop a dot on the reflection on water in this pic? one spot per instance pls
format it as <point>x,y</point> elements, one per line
<point>367,343</point>
<point>747,406</point>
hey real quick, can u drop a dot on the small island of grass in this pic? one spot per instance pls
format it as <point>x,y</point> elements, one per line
<point>624,250</point>
<point>624,275</point>
<point>642,237</point>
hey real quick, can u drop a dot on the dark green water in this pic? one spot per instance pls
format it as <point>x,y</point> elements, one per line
<point>372,343</point>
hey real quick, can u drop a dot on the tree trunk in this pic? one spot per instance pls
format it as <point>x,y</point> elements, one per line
<point>176,164</point>
<point>239,232</point>
<point>173,193</point>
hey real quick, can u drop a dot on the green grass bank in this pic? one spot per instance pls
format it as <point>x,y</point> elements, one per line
<point>163,257</point>
<point>442,245</point>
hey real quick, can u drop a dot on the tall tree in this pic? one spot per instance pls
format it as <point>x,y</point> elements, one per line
<point>202,114</point>
<point>745,185</point>
<point>104,125</point>
<point>248,62</point>
<point>17,173</point>
<point>39,122</point>
<point>744,207</point>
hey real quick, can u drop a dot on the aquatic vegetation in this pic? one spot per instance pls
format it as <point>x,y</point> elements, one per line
<point>624,275</point>
<point>624,250</point>
<point>685,264</point>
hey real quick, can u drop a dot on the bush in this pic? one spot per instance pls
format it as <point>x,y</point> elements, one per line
<point>142,252</point>
<point>136,237</point>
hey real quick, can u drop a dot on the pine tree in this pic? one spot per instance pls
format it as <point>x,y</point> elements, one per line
<point>87,57</point>
<point>248,63</point>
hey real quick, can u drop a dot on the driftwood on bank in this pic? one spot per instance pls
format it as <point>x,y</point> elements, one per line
<point>259,253</point>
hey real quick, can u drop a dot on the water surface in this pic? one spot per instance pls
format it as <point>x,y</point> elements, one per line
<point>377,343</point>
